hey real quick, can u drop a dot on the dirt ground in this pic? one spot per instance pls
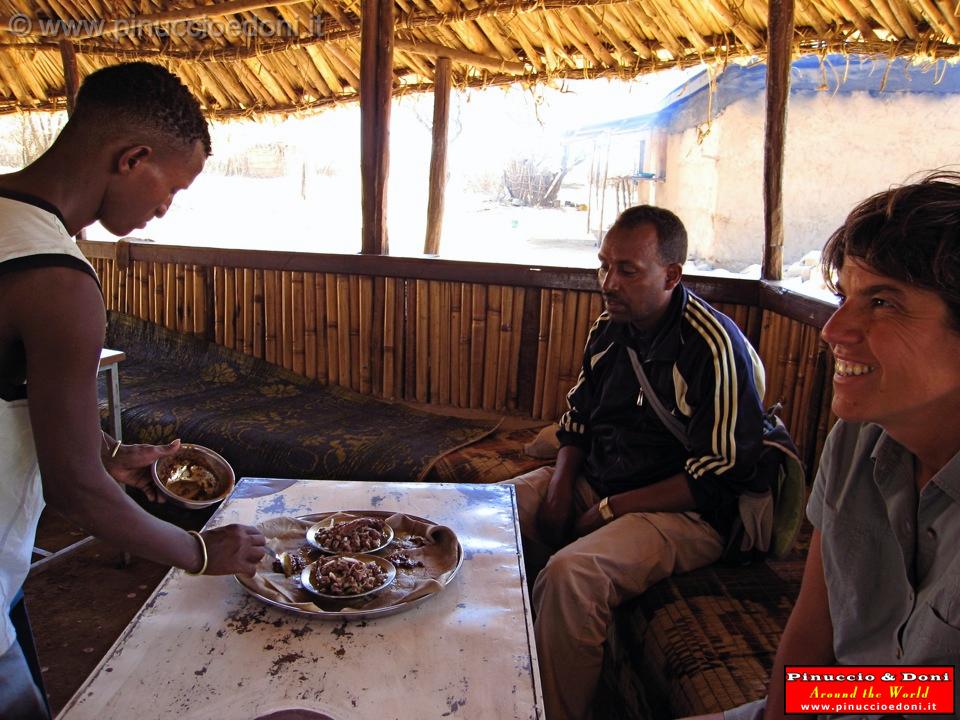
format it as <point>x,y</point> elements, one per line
<point>79,606</point>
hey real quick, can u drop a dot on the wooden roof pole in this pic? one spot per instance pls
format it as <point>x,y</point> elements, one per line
<point>376,90</point>
<point>71,85</point>
<point>71,79</point>
<point>779,53</point>
<point>465,56</point>
<point>438,156</point>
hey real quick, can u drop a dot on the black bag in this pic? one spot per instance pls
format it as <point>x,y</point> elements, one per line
<point>768,519</point>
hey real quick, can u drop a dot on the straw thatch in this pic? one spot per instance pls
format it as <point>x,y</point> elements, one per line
<point>253,56</point>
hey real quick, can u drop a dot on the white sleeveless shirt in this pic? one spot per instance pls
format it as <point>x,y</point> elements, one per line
<point>32,234</point>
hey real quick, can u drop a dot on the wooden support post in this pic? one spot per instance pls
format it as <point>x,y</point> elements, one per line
<point>438,156</point>
<point>71,79</point>
<point>779,55</point>
<point>71,84</point>
<point>376,90</point>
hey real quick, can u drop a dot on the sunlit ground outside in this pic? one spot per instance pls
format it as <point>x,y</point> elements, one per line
<point>307,197</point>
<point>293,184</point>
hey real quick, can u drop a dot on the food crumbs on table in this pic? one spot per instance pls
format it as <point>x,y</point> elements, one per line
<point>341,630</point>
<point>281,661</point>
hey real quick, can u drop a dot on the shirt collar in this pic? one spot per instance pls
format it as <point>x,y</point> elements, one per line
<point>887,454</point>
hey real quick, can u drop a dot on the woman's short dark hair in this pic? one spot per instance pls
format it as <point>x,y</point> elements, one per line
<point>910,233</point>
<point>145,96</point>
<point>671,234</point>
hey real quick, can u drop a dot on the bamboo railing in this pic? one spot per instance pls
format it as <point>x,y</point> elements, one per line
<point>500,338</point>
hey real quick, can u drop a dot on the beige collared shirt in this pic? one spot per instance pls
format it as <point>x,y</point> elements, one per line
<point>891,555</point>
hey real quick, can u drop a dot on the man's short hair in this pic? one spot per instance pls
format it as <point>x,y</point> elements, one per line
<point>671,234</point>
<point>910,233</point>
<point>145,96</point>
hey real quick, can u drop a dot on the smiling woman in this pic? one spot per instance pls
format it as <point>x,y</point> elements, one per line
<point>889,477</point>
<point>895,265</point>
<point>883,334</point>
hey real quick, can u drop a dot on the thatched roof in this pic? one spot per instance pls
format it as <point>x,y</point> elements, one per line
<point>252,56</point>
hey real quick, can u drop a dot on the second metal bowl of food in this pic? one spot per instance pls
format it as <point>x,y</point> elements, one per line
<point>359,532</point>
<point>337,569</point>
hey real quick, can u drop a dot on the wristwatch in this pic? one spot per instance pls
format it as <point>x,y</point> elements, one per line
<point>605,512</point>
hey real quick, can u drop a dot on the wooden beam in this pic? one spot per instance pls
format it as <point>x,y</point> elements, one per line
<point>385,42</point>
<point>711,288</point>
<point>71,79</point>
<point>418,47</point>
<point>71,84</point>
<point>504,9</point>
<point>376,91</point>
<point>779,53</point>
<point>817,45</point>
<point>438,156</point>
<point>834,42</point>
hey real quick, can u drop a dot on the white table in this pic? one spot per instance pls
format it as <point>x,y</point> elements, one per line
<point>203,648</point>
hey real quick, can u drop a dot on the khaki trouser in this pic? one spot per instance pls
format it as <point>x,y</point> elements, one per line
<point>576,592</point>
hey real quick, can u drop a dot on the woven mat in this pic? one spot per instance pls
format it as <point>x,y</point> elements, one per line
<point>499,456</point>
<point>700,642</point>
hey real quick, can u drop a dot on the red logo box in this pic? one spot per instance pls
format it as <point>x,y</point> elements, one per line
<point>869,689</point>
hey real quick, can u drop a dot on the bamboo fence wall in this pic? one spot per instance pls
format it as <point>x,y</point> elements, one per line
<point>474,345</point>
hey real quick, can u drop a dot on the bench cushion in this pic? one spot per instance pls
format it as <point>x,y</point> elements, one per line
<point>266,420</point>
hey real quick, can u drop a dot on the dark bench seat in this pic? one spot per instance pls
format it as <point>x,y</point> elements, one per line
<point>700,642</point>
<point>267,421</point>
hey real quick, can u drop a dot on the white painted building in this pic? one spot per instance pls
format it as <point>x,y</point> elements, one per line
<point>852,130</point>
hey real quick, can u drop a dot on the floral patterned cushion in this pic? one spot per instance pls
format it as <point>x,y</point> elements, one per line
<point>267,421</point>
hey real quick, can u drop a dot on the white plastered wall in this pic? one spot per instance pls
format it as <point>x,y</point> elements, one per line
<point>840,149</point>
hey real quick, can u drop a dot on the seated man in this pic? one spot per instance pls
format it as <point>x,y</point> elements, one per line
<point>880,586</point>
<point>638,492</point>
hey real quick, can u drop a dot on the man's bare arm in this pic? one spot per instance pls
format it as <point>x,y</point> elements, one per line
<point>669,495</point>
<point>60,317</point>
<point>556,512</point>
<point>808,637</point>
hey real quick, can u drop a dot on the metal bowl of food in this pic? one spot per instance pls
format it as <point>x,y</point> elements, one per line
<point>343,533</point>
<point>194,477</point>
<point>348,576</point>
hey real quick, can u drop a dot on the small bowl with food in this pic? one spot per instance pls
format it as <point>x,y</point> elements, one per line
<point>348,575</point>
<point>342,533</point>
<point>194,477</point>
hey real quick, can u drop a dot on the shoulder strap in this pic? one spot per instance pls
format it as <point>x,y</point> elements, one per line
<point>672,423</point>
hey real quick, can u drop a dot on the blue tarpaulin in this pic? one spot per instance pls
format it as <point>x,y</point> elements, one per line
<point>686,106</point>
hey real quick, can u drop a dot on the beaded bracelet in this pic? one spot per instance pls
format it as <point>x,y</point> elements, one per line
<point>203,547</point>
